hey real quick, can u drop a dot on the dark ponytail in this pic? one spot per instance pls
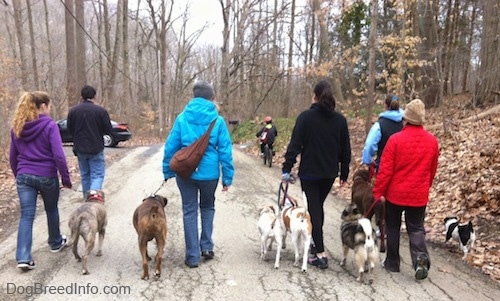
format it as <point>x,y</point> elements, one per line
<point>324,95</point>
<point>392,103</point>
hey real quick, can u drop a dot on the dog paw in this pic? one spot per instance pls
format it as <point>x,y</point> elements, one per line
<point>342,262</point>
<point>157,274</point>
<point>99,253</point>
<point>145,277</point>
<point>85,272</point>
<point>304,271</point>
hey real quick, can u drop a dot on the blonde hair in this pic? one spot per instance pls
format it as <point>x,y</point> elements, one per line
<point>27,109</point>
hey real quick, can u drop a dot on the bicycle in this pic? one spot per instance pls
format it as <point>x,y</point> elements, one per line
<point>268,155</point>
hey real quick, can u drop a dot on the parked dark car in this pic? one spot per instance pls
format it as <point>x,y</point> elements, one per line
<point>120,133</point>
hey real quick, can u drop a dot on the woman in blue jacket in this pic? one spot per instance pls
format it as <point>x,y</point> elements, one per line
<point>192,123</point>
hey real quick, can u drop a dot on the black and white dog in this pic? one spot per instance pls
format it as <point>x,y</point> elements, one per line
<point>463,233</point>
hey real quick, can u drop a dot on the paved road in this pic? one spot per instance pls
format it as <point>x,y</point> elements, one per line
<point>237,273</point>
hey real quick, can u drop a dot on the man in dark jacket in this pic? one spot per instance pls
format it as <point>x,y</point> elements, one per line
<point>87,123</point>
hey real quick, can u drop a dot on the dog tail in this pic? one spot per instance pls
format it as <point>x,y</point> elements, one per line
<point>304,199</point>
<point>369,237</point>
<point>75,230</point>
<point>153,212</point>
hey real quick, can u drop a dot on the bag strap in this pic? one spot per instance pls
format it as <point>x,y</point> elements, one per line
<point>211,126</point>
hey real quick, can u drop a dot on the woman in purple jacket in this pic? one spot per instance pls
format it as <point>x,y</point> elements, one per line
<point>36,155</point>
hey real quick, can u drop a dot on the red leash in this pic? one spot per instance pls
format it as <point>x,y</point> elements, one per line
<point>371,171</point>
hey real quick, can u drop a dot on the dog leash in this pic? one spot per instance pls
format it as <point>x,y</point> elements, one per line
<point>281,201</point>
<point>161,185</point>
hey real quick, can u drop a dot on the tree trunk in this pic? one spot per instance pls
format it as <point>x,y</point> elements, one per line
<point>428,52</point>
<point>81,68</point>
<point>50,88</point>
<point>127,97</point>
<point>18,19</point>
<point>287,104</point>
<point>115,55</point>
<point>224,70</point>
<point>71,87</point>
<point>371,64</point>
<point>36,81</point>
<point>489,71</point>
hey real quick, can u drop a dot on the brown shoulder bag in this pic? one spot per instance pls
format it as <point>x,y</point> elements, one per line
<point>186,160</point>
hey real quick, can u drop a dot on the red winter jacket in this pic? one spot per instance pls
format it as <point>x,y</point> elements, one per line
<point>408,166</point>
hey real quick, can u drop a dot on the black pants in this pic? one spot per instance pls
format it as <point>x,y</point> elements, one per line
<point>414,220</point>
<point>316,193</point>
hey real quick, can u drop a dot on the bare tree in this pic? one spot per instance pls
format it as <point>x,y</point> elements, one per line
<point>71,86</point>
<point>80,49</point>
<point>33,47</point>
<point>286,107</point>
<point>18,19</point>
<point>488,82</point>
<point>371,64</point>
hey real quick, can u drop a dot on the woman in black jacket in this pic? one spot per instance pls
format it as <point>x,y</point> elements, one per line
<point>321,137</point>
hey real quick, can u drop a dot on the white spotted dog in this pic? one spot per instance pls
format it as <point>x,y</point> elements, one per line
<point>297,221</point>
<point>270,231</point>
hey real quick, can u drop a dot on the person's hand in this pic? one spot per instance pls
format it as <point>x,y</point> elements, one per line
<point>382,199</point>
<point>342,183</point>
<point>225,187</point>
<point>285,177</point>
<point>67,183</point>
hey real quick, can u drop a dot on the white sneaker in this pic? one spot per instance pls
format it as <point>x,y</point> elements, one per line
<point>63,244</point>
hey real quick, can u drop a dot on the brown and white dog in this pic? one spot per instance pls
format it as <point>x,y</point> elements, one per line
<point>362,196</point>
<point>150,222</point>
<point>270,230</point>
<point>357,234</point>
<point>297,221</point>
<point>86,221</point>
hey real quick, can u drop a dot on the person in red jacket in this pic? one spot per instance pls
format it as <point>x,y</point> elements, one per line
<point>408,166</point>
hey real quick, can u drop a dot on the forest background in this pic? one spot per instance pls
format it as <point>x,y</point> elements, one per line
<point>143,57</point>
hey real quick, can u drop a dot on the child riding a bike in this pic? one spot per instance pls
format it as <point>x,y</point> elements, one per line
<point>267,135</point>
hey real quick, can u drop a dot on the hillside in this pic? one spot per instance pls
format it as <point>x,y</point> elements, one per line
<point>467,184</point>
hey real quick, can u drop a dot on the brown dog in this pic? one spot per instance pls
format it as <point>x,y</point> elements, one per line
<point>362,196</point>
<point>150,222</point>
<point>86,221</point>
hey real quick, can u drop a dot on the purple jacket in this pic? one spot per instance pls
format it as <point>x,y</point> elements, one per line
<point>39,150</point>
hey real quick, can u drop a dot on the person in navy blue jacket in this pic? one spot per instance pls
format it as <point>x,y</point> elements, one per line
<point>389,122</point>
<point>321,137</point>
<point>199,190</point>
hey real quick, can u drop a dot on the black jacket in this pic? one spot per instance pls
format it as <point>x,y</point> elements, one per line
<point>271,133</point>
<point>321,137</point>
<point>87,123</point>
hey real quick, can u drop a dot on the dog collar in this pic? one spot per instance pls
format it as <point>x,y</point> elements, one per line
<point>95,197</point>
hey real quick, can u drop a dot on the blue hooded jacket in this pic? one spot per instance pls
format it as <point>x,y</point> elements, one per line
<point>191,124</point>
<point>375,134</point>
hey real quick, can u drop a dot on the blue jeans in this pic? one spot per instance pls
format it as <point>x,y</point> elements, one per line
<point>190,189</point>
<point>91,170</point>
<point>28,187</point>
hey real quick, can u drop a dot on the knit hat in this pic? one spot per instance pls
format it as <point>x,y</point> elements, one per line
<point>415,112</point>
<point>203,89</point>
